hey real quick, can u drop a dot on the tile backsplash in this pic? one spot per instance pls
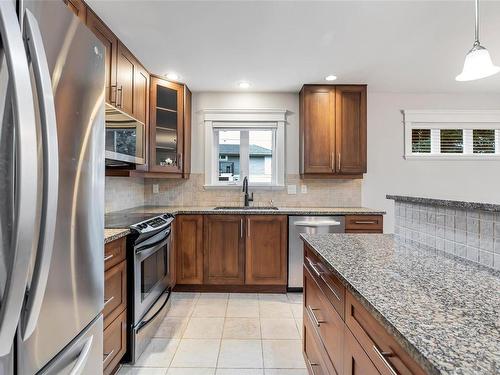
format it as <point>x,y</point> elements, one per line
<point>191,192</point>
<point>123,192</point>
<point>470,234</point>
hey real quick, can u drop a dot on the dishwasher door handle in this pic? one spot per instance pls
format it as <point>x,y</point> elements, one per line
<point>322,223</point>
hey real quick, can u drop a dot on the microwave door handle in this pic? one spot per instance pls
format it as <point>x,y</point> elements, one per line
<point>36,53</point>
<point>26,180</point>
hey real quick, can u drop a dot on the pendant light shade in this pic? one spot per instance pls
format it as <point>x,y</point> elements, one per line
<point>477,65</point>
<point>478,62</point>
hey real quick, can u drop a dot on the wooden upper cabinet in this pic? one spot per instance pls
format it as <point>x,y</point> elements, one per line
<point>110,42</point>
<point>125,77</point>
<point>333,131</point>
<point>78,7</point>
<point>166,128</point>
<point>141,94</point>
<point>350,121</point>
<point>189,249</point>
<point>186,166</point>
<point>317,129</point>
<point>224,254</point>
<point>266,250</point>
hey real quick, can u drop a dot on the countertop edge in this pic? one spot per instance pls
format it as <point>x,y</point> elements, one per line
<point>412,351</point>
<point>114,234</point>
<point>446,203</point>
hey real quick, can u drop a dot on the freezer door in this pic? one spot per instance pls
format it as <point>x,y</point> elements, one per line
<point>74,293</point>
<point>82,356</point>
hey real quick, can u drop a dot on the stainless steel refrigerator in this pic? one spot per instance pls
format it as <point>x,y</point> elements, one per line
<point>51,191</point>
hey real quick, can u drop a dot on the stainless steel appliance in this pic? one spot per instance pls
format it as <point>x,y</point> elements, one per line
<point>51,191</point>
<point>125,138</point>
<point>306,224</point>
<point>150,242</point>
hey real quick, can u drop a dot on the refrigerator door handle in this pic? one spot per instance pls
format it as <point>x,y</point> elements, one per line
<point>38,59</point>
<point>82,358</point>
<point>26,179</point>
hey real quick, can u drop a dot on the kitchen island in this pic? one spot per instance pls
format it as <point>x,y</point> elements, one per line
<point>441,310</point>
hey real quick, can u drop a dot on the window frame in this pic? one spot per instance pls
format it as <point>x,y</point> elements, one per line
<point>436,120</point>
<point>247,119</point>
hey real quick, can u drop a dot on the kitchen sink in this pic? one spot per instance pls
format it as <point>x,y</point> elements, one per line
<point>246,208</point>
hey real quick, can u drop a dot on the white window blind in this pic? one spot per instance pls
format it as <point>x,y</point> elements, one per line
<point>452,134</point>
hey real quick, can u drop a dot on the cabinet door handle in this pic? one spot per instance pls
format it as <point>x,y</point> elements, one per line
<point>241,228</point>
<point>120,89</point>
<point>313,316</point>
<point>382,356</point>
<point>330,288</point>
<point>108,257</point>
<point>180,160</point>
<point>332,161</point>
<point>114,93</point>
<point>106,301</point>
<point>311,264</point>
<point>338,155</point>
<point>248,228</point>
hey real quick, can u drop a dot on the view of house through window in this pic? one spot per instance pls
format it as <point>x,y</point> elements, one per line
<point>245,153</point>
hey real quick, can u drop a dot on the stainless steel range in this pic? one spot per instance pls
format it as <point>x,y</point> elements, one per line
<point>149,250</point>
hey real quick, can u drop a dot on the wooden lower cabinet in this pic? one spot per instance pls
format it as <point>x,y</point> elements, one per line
<point>266,250</point>
<point>115,304</point>
<point>189,249</point>
<point>351,341</point>
<point>224,250</point>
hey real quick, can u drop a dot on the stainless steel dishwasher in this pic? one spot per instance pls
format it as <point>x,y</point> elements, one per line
<point>310,225</point>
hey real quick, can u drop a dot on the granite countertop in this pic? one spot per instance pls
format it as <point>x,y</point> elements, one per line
<point>113,234</point>
<point>443,310</point>
<point>464,205</point>
<point>130,216</point>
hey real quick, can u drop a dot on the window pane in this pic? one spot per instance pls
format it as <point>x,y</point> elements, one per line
<point>261,156</point>
<point>483,141</point>
<point>421,140</point>
<point>229,155</point>
<point>452,141</point>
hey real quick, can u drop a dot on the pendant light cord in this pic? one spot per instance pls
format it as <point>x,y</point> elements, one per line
<point>476,41</point>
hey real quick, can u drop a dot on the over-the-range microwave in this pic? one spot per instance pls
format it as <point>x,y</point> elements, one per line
<point>125,138</point>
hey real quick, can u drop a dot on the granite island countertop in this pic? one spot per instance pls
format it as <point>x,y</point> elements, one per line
<point>124,218</point>
<point>443,310</point>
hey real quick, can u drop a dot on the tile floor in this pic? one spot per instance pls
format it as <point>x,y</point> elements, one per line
<point>226,334</point>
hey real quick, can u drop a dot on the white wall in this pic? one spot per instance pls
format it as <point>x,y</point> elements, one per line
<point>389,173</point>
<point>209,100</point>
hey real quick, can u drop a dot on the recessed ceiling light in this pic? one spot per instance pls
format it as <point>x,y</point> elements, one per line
<point>244,85</point>
<point>172,76</point>
<point>331,77</point>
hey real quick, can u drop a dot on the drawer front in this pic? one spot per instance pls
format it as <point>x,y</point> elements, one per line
<point>364,224</point>
<point>355,359</point>
<point>387,355</point>
<point>325,320</point>
<point>114,252</point>
<point>330,285</point>
<point>115,342</point>
<point>115,292</point>
<point>312,351</point>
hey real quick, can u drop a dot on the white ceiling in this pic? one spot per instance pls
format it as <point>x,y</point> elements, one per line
<point>396,46</point>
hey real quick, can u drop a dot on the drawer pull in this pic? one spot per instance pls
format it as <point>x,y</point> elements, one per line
<point>329,287</point>
<point>106,258</point>
<point>312,365</point>
<point>106,301</point>
<point>382,356</point>
<point>311,264</point>
<point>366,222</point>
<point>313,316</point>
<point>107,355</point>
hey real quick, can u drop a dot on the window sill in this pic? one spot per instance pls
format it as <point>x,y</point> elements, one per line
<point>239,187</point>
<point>453,157</point>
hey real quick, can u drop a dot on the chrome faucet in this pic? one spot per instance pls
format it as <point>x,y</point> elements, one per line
<point>248,197</point>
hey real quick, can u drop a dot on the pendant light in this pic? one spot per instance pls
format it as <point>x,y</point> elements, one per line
<point>478,62</point>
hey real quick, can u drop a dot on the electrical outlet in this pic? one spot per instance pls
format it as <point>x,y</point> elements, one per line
<point>303,189</point>
<point>156,188</point>
<point>292,189</point>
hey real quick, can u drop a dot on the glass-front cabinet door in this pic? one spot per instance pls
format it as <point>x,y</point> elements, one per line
<point>166,126</point>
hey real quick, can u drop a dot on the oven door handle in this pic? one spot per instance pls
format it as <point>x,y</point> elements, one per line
<point>146,252</point>
<point>143,323</point>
